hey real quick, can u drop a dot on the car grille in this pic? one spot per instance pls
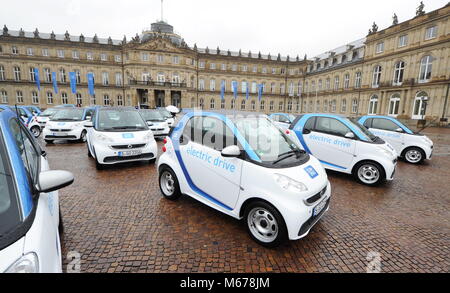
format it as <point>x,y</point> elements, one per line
<point>60,130</point>
<point>157,129</point>
<point>131,158</point>
<point>313,199</point>
<point>128,146</point>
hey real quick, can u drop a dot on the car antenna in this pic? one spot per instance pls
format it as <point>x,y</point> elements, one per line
<point>21,134</point>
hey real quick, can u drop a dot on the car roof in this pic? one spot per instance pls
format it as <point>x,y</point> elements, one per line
<point>230,114</point>
<point>116,109</point>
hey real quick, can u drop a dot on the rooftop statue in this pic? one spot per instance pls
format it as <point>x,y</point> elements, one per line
<point>395,19</point>
<point>5,30</point>
<point>420,10</point>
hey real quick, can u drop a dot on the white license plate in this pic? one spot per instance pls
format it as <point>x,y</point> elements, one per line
<point>59,134</point>
<point>130,153</point>
<point>319,207</point>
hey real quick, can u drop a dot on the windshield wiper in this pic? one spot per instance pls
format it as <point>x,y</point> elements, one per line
<point>127,127</point>
<point>289,154</point>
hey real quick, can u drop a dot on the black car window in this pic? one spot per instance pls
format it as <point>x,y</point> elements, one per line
<point>368,123</point>
<point>309,125</point>
<point>210,132</point>
<point>384,124</point>
<point>331,126</point>
<point>283,119</point>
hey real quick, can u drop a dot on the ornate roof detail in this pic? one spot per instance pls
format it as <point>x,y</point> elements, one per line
<point>240,53</point>
<point>110,41</point>
<point>249,54</point>
<point>36,33</point>
<point>229,52</point>
<point>21,33</point>
<point>207,50</point>
<point>269,57</point>
<point>297,59</point>
<point>124,40</point>
<point>218,50</point>
<point>279,57</point>
<point>53,36</point>
<point>394,19</point>
<point>95,39</point>
<point>82,38</point>
<point>5,30</point>
<point>420,10</point>
<point>67,36</point>
<point>195,47</point>
<point>259,55</point>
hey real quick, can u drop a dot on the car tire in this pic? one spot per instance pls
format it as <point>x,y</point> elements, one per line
<point>61,224</point>
<point>48,141</point>
<point>369,173</point>
<point>36,130</point>
<point>168,184</point>
<point>89,152</point>
<point>83,136</point>
<point>98,165</point>
<point>265,224</point>
<point>152,161</point>
<point>414,155</point>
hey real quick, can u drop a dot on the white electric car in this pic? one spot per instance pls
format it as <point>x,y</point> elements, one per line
<point>344,145</point>
<point>30,219</point>
<point>414,147</point>
<point>27,117</point>
<point>282,120</point>
<point>246,167</point>
<point>68,124</point>
<point>168,116</point>
<point>119,135</point>
<point>156,121</point>
<point>45,116</point>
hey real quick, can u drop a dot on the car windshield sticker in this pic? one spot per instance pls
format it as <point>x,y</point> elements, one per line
<point>311,172</point>
<point>128,135</point>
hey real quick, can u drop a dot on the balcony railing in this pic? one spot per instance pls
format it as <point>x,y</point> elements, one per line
<point>158,83</point>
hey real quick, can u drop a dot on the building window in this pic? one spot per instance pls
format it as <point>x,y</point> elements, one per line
<point>34,98</point>
<point>176,60</point>
<point>118,58</point>
<point>254,86</point>
<point>347,81</point>
<point>106,100</point>
<point>274,71</point>
<point>264,70</point>
<point>17,76</point>
<point>244,87</point>
<point>14,50</point>
<point>4,96</point>
<point>32,75</point>
<point>2,73</point>
<point>223,66</point>
<point>75,55</point>
<point>64,98</point>
<point>60,53</point>
<point>402,41</point>
<point>317,106</point>
<point>271,106</point>
<point>426,66</point>
<point>212,104</point>
<point>62,75</point>
<point>253,105</point>
<point>354,106</point>
<point>201,84</point>
<point>358,79</point>
<point>399,72</point>
<point>105,78</point>
<point>79,99</point>
<point>30,51</point>
<point>431,33</point>
<point>373,105</point>
<point>49,98</point>
<point>328,83</point>
<point>47,75</point>
<point>282,89</point>
<point>344,106</point>
<point>234,67</point>
<point>160,58</point>
<point>103,57</point>
<point>376,76</point>
<point>336,83</point>
<point>325,106</point>
<point>201,64</point>
<point>262,105</point>
<point>289,106</point>
<point>291,88</point>
<point>119,80</point>
<point>379,48</point>
<point>119,100</point>
<point>144,57</point>
<point>255,69</point>
<point>272,88</point>
<point>420,103</point>
<point>300,88</point>
<point>222,104</point>
<point>89,56</point>
<point>394,104</point>
<point>233,104</point>
<point>333,106</point>
<point>243,105</point>
<point>78,76</point>
<point>19,97</point>
<point>201,103</point>
<point>45,52</point>
<point>212,85</point>
<point>280,106</point>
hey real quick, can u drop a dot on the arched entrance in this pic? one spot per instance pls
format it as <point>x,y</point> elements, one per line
<point>420,106</point>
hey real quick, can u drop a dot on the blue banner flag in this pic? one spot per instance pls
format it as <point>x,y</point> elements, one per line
<point>36,78</point>
<point>90,78</point>
<point>55,82</point>
<point>247,92</point>
<point>222,90</point>
<point>73,82</point>
<point>260,91</point>
<point>235,89</point>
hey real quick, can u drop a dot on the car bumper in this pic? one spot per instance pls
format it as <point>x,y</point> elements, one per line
<point>58,135</point>
<point>108,156</point>
<point>302,225</point>
<point>161,133</point>
<point>390,169</point>
<point>429,152</point>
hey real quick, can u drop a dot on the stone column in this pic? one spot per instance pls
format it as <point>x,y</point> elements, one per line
<point>167,98</point>
<point>151,98</point>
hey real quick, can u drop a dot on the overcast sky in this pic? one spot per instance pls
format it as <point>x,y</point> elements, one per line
<point>270,26</point>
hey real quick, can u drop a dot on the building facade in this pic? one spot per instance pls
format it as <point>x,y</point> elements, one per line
<point>402,71</point>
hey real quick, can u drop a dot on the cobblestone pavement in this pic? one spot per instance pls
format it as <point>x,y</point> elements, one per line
<point>118,221</point>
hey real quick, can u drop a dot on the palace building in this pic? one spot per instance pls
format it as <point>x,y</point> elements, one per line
<point>402,71</point>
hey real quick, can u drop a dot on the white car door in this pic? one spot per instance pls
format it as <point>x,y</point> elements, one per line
<point>326,141</point>
<point>387,130</point>
<point>213,177</point>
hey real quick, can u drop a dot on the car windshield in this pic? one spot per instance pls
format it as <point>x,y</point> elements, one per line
<point>49,112</point>
<point>153,116</point>
<point>9,210</point>
<point>367,134</point>
<point>120,120</point>
<point>269,143</point>
<point>68,115</point>
<point>32,110</point>
<point>165,113</point>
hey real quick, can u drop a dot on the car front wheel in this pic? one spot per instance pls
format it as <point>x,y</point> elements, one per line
<point>369,173</point>
<point>36,130</point>
<point>414,156</point>
<point>168,183</point>
<point>265,224</point>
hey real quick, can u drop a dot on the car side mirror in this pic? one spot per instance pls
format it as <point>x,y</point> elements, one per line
<point>89,124</point>
<point>350,135</point>
<point>54,180</point>
<point>231,152</point>
<point>399,130</point>
<point>306,131</point>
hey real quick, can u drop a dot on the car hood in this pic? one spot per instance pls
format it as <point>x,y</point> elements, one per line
<point>127,137</point>
<point>62,124</point>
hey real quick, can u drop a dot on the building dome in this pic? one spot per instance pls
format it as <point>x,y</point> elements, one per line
<point>161,28</point>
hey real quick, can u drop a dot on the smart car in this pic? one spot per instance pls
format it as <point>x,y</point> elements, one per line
<point>168,116</point>
<point>68,124</point>
<point>30,218</point>
<point>343,145</point>
<point>413,147</point>
<point>28,119</point>
<point>119,135</point>
<point>45,116</point>
<point>156,121</point>
<point>242,165</point>
<point>282,120</point>
<point>34,110</point>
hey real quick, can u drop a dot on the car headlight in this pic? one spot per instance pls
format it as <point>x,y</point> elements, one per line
<point>289,183</point>
<point>103,138</point>
<point>28,263</point>
<point>426,140</point>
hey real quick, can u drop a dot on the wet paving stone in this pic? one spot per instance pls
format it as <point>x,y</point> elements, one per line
<point>119,222</point>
